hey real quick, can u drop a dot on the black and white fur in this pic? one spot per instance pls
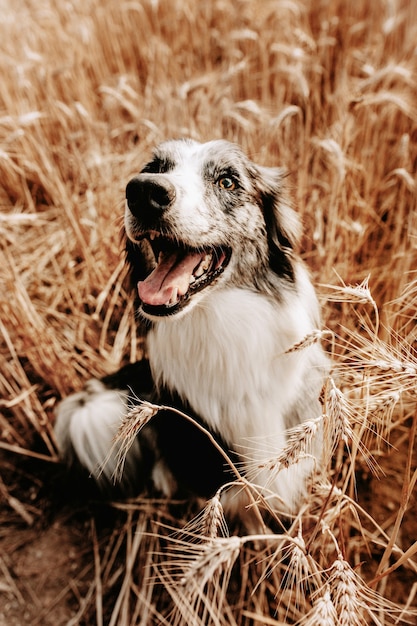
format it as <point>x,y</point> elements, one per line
<point>211,244</point>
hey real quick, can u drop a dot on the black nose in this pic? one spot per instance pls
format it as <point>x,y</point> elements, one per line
<point>144,194</point>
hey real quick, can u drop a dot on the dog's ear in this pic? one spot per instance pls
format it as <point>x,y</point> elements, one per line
<point>282,222</point>
<point>280,217</point>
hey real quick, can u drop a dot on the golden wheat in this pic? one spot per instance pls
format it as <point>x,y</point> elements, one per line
<point>327,90</point>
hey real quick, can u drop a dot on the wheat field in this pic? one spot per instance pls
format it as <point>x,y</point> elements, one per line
<point>327,89</point>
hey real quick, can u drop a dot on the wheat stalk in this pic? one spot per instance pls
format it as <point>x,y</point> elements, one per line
<point>323,612</point>
<point>326,90</point>
<point>132,422</point>
<point>210,522</point>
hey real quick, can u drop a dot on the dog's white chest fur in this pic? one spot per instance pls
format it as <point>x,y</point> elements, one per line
<point>227,359</point>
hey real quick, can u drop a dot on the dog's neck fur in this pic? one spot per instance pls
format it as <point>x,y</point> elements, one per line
<point>227,358</point>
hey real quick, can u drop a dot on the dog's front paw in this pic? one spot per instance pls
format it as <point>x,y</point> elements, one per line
<point>86,426</point>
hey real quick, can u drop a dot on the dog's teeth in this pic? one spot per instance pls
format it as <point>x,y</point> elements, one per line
<point>192,279</point>
<point>203,266</point>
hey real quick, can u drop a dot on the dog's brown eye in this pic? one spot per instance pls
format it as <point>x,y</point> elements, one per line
<point>227,183</point>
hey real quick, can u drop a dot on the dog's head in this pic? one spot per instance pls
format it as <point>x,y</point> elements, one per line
<point>198,215</point>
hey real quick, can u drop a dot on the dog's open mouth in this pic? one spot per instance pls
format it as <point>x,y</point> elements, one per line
<point>180,272</point>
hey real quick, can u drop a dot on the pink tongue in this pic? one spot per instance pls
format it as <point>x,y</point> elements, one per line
<point>170,277</point>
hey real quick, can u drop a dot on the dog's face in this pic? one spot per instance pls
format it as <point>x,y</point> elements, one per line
<point>201,214</point>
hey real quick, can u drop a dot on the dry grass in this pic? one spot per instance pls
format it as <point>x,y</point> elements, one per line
<point>327,89</point>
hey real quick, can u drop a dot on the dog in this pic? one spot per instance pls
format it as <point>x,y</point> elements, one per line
<point>223,296</point>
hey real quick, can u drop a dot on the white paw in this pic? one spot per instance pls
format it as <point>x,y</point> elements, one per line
<point>86,426</point>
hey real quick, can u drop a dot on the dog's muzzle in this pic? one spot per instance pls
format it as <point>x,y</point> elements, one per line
<point>180,270</point>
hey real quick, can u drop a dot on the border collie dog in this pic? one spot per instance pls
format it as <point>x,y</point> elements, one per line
<point>211,246</point>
